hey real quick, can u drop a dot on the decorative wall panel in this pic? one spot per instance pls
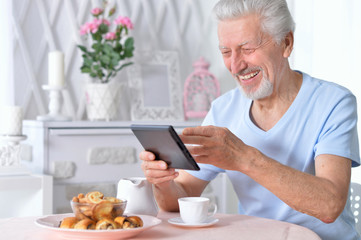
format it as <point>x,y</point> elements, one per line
<point>41,26</point>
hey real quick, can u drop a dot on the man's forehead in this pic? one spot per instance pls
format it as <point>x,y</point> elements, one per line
<point>241,43</point>
<point>232,34</point>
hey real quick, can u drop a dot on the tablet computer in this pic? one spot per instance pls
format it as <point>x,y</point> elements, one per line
<point>164,142</point>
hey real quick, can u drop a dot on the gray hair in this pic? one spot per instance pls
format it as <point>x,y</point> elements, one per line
<point>276,18</point>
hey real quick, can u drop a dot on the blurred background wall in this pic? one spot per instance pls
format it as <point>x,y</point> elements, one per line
<point>327,44</point>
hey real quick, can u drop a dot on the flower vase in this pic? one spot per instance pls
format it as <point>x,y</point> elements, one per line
<point>102,101</point>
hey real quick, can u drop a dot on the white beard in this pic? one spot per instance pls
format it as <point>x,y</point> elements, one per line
<point>264,90</point>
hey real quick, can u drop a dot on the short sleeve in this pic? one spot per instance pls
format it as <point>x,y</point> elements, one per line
<point>338,135</point>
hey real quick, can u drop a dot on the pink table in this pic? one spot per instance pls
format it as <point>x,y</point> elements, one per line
<point>229,227</point>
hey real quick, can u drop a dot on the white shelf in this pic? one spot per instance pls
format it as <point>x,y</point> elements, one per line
<point>104,124</point>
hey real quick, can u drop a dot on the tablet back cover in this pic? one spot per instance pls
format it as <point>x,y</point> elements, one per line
<point>164,142</point>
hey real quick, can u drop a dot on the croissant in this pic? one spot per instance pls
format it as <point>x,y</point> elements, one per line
<point>129,222</point>
<point>134,221</point>
<point>68,222</point>
<point>85,224</point>
<point>105,224</point>
<point>120,221</point>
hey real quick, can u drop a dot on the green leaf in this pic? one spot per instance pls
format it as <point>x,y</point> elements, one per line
<point>114,62</point>
<point>128,52</point>
<point>97,47</point>
<point>85,69</point>
<point>118,47</point>
<point>95,57</point>
<point>107,49</point>
<point>128,47</point>
<point>129,43</point>
<point>105,59</point>
<point>88,62</point>
<point>82,48</point>
<point>100,73</point>
<point>114,53</point>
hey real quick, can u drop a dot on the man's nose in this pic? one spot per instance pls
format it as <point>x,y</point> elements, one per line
<point>238,63</point>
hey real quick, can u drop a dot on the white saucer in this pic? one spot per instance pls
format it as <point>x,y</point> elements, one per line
<point>179,222</point>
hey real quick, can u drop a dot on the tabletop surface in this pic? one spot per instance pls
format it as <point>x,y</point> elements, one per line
<point>230,226</point>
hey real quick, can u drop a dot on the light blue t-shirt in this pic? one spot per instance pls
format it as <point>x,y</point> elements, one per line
<point>321,120</point>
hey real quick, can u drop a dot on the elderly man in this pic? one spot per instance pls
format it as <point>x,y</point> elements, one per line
<point>286,140</point>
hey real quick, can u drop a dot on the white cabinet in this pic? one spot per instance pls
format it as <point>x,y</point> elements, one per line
<point>28,195</point>
<point>86,156</point>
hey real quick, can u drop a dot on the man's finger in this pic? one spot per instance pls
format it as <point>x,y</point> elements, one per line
<point>159,164</point>
<point>186,139</point>
<point>206,131</point>
<point>146,156</point>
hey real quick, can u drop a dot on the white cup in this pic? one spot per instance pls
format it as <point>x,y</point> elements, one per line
<point>196,209</point>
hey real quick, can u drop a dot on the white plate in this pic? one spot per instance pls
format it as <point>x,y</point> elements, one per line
<point>51,223</point>
<point>179,222</point>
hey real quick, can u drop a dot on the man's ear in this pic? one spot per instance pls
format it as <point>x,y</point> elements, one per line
<point>288,44</point>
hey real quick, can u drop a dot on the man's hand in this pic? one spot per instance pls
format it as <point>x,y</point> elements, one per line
<point>156,171</point>
<point>217,146</point>
<point>167,191</point>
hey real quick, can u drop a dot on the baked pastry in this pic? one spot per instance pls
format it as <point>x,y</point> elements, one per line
<point>111,199</point>
<point>94,211</point>
<point>129,222</point>
<point>83,211</point>
<point>94,197</point>
<point>68,222</point>
<point>133,222</point>
<point>106,224</point>
<point>85,224</point>
<point>120,221</point>
<point>102,210</point>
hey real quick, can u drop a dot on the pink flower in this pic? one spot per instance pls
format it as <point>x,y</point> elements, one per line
<point>97,11</point>
<point>106,22</point>
<point>110,36</point>
<point>97,22</point>
<point>90,27</point>
<point>94,26</point>
<point>124,21</point>
<point>83,30</point>
<point>86,28</point>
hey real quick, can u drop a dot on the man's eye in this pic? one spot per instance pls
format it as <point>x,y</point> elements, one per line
<point>226,53</point>
<point>248,50</point>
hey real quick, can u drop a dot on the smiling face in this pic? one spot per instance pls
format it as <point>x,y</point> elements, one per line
<point>252,56</point>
